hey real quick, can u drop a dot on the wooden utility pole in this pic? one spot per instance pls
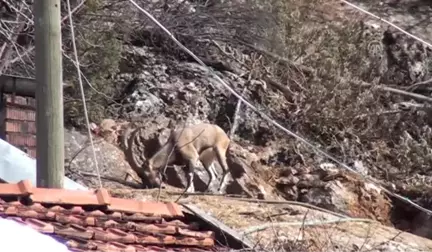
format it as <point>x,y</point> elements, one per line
<point>49,94</point>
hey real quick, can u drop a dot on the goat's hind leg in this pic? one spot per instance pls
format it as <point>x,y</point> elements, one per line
<point>220,154</point>
<point>207,159</point>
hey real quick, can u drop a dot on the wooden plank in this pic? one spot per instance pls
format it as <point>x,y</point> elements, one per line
<point>219,226</point>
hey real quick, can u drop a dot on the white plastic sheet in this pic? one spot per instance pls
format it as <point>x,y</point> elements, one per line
<point>15,165</point>
<point>16,237</point>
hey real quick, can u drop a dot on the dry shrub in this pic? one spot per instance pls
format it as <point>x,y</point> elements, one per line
<point>348,121</point>
<point>104,26</point>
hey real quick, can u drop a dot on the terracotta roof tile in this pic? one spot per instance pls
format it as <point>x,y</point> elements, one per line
<point>61,196</point>
<point>22,188</point>
<point>127,205</point>
<point>95,221</point>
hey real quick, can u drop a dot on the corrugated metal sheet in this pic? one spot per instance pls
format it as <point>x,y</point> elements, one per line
<point>16,165</point>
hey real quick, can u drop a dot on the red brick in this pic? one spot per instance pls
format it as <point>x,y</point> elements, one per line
<point>12,127</point>
<point>20,126</point>
<point>20,114</point>
<point>16,100</point>
<point>31,102</point>
<point>19,140</point>
<point>20,100</point>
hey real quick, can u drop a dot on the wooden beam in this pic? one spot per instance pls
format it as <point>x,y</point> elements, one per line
<point>17,85</point>
<point>49,94</point>
<point>236,240</point>
<point>21,86</point>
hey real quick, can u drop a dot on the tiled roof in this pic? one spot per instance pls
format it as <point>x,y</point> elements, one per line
<point>95,221</point>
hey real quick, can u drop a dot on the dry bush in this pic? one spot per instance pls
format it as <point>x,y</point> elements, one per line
<point>99,53</point>
<point>104,26</point>
<point>348,121</point>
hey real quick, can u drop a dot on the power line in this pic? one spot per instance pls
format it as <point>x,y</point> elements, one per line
<point>82,92</point>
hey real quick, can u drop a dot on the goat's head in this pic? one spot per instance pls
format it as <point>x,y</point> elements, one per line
<point>151,174</point>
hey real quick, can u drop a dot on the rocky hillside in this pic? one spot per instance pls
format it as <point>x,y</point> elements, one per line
<point>319,68</point>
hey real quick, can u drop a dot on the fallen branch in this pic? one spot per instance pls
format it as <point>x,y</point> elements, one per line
<point>114,179</point>
<point>236,116</point>
<point>294,203</point>
<point>259,201</point>
<point>262,227</point>
<point>394,90</point>
<point>419,84</point>
<point>208,194</point>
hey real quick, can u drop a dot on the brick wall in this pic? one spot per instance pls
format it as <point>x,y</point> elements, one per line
<point>18,122</point>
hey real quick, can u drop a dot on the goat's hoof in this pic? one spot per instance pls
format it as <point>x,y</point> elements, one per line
<point>207,189</point>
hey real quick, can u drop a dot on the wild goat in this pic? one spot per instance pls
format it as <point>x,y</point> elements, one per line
<point>201,142</point>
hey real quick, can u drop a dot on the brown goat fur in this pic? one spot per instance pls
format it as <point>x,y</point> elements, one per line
<point>201,142</point>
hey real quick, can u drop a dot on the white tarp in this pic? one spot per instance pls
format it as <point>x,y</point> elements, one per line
<point>16,237</point>
<point>15,165</point>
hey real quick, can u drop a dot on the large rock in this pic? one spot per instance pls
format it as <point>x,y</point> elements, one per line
<point>80,165</point>
<point>336,190</point>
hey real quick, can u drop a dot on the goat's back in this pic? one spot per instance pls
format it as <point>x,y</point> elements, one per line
<point>202,136</point>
